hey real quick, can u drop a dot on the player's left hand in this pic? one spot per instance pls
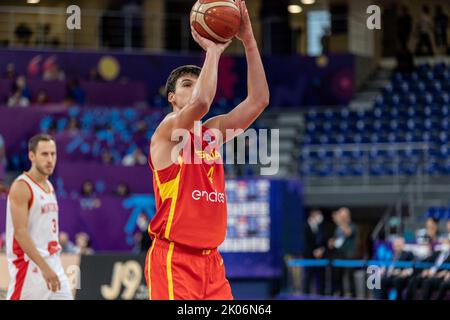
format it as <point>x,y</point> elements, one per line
<point>245,33</point>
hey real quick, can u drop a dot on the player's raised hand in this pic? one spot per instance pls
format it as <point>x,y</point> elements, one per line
<point>245,33</point>
<point>207,44</point>
<point>51,278</point>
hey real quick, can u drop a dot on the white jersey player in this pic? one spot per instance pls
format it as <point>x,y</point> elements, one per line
<point>32,245</point>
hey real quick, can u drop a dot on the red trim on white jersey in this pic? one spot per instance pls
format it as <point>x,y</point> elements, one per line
<point>47,192</point>
<point>22,267</point>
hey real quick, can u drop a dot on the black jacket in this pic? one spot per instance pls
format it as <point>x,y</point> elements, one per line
<point>313,240</point>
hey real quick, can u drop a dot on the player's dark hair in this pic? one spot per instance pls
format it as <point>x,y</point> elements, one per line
<point>34,141</point>
<point>179,72</point>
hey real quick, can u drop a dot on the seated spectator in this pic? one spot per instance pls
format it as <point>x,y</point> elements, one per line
<point>137,157</point>
<point>75,94</point>
<point>52,71</point>
<point>18,100</point>
<point>83,245</point>
<point>22,86</point>
<point>430,279</point>
<point>73,127</point>
<point>87,190</point>
<point>122,190</point>
<point>23,34</point>
<point>93,75</point>
<point>41,98</point>
<point>21,93</point>
<point>430,234</point>
<point>395,276</point>
<point>10,73</point>
<point>107,157</point>
<point>444,287</point>
<point>66,245</point>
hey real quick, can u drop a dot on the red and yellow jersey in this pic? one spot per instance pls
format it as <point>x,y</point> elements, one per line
<point>191,208</point>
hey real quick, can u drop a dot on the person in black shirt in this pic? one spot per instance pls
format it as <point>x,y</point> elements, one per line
<point>440,27</point>
<point>343,246</point>
<point>314,249</point>
<point>404,28</point>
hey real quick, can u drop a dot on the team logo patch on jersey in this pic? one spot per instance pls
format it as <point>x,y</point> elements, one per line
<point>209,157</point>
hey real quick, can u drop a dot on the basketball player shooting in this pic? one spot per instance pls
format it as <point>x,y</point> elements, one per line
<point>191,211</point>
<point>32,246</point>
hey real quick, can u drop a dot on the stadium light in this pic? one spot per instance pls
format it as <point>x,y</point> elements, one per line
<point>33,1</point>
<point>308,1</point>
<point>293,8</point>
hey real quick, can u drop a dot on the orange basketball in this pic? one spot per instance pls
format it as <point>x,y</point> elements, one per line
<point>217,20</point>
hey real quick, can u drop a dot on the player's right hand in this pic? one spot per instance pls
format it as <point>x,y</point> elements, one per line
<point>51,279</point>
<point>207,44</point>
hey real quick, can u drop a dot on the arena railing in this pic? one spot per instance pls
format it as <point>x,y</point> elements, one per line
<point>139,30</point>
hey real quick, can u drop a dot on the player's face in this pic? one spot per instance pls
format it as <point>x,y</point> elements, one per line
<point>44,159</point>
<point>183,91</point>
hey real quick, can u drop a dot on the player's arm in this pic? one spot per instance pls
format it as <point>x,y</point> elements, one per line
<point>20,195</point>
<point>242,116</point>
<point>203,93</point>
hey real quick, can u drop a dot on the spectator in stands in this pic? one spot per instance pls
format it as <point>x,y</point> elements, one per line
<point>83,244</point>
<point>52,71</point>
<point>122,190</point>
<point>137,157</point>
<point>10,73</point>
<point>343,246</point>
<point>18,100</point>
<point>22,86</point>
<point>23,33</point>
<point>396,276</point>
<point>404,28</point>
<point>93,75</point>
<point>66,245</point>
<point>21,93</point>
<point>315,244</point>
<point>325,40</point>
<point>41,98</point>
<point>140,136</point>
<point>432,230</point>
<point>75,94</point>
<point>425,28</point>
<point>106,157</point>
<point>87,189</point>
<point>444,287</point>
<point>430,279</point>
<point>440,28</point>
<point>73,126</point>
<point>145,240</point>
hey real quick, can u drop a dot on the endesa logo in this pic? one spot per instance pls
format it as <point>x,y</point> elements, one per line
<point>215,197</point>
